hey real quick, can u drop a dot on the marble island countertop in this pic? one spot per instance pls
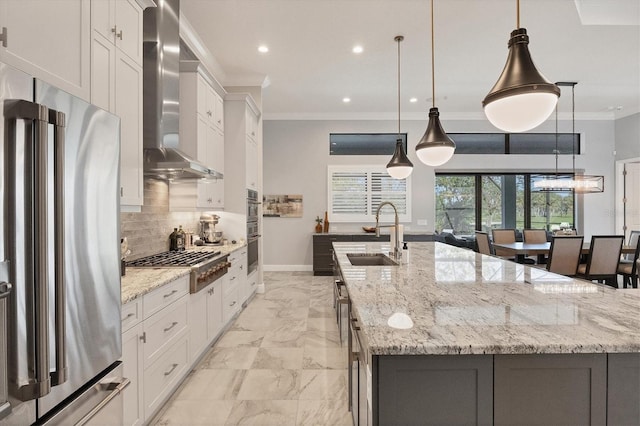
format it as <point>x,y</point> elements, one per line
<point>447,300</point>
<point>140,281</point>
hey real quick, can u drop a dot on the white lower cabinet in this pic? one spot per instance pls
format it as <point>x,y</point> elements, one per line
<point>155,348</point>
<point>161,378</point>
<point>205,317</point>
<point>166,331</point>
<point>133,358</point>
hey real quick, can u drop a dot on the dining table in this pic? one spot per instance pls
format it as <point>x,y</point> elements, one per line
<point>520,248</point>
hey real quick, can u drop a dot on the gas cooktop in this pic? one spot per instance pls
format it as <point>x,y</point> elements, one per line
<point>174,258</point>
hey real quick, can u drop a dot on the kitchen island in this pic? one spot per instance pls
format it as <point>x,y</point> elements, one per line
<point>455,337</point>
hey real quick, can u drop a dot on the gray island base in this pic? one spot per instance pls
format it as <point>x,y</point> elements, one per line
<point>453,337</point>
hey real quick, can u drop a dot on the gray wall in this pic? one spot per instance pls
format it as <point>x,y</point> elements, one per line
<point>296,156</point>
<point>628,137</point>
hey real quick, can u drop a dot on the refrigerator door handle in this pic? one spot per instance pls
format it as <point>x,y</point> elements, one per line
<point>35,170</point>
<point>5,289</point>
<point>59,375</point>
<point>114,388</point>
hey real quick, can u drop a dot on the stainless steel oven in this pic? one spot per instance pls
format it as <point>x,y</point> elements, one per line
<point>253,205</point>
<point>252,255</point>
<point>253,230</point>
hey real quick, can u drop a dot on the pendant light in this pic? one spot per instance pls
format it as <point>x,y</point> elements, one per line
<point>435,148</point>
<point>581,184</point>
<point>522,98</point>
<point>399,167</point>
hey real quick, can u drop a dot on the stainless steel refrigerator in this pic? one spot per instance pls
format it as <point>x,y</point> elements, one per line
<point>60,336</point>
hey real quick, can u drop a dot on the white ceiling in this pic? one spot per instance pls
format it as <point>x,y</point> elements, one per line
<point>310,66</point>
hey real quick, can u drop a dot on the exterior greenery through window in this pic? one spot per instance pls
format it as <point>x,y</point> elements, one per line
<point>355,192</point>
<point>469,202</point>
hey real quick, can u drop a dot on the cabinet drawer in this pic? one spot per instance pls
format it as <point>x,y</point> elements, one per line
<point>230,304</point>
<point>164,374</point>
<point>164,296</point>
<point>163,329</point>
<point>229,285</point>
<point>131,314</point>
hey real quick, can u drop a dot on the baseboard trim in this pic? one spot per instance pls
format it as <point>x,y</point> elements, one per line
<point>287,268</point>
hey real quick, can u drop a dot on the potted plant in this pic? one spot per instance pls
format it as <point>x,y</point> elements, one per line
<point>318,225</point>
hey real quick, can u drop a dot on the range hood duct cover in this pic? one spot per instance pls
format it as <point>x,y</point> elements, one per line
<point>161,94</point>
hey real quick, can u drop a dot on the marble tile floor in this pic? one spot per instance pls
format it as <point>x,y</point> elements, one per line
<point>280,363</point>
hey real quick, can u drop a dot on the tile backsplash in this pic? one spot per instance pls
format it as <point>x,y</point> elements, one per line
<point>148,231</point>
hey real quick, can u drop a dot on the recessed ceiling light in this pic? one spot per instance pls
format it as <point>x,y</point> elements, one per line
<point>346,100</point>
<point>357,49</point>
<point>263,49</point>
<point>413,100</point>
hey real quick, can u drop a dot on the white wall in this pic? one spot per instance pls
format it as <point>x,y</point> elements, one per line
<point>296,156</point>
<point>628,137</point>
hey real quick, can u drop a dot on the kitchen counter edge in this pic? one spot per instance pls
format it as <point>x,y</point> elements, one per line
<point>139,281</point>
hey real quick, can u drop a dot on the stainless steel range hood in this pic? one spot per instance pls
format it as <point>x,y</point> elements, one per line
<point>161,92</point>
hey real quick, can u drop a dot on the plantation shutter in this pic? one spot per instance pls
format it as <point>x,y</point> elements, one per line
<point>355,192</point>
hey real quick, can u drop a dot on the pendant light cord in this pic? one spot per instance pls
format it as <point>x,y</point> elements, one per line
<point>573,128</point>
<point>556,141</point>
<point>517,14</point>
<point>433,62</point>
<point>399,39</point>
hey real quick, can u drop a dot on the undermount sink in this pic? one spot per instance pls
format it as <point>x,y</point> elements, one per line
<point>370,259</point>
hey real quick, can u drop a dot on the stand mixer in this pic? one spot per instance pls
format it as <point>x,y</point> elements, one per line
<point>208,232</point>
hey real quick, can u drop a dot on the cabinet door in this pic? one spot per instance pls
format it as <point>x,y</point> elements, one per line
<point>250,124</point>
<point>214,312</point>
<point>210,195</point>
<point>203,133</point>
<point>132,359</point>
<point>252,164</point>
<point>102,18</point>
<point>103,80</point>
<point>198,336</point>
<point>201,97</point>
<point>50,40</point>
<point>215,153</point>
<point>128,22</point>
<point>219,112</point>
<point>128,106</point>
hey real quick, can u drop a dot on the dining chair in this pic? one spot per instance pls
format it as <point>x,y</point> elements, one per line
<point>602,260</point>
<point>629,269</point>
<point>564,255</point>
<point>503,236</point>
<point>634,236</point>
<point>483,245</point>
<point>536,236</point>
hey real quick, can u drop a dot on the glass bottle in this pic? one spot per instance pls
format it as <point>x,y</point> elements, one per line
<point>173,240</point>
<point>180,237</point>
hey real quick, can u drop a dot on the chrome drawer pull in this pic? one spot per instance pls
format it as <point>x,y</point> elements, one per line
<point>173,367</point>
<point>171,326</point>
<point>234,302</point>
<point>128,316</point>
<point>170,294</point>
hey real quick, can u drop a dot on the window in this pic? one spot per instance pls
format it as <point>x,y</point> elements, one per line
<point>469,202</point>
<point>516,143</point>
<point>355,192</point>
<point>365,143</point>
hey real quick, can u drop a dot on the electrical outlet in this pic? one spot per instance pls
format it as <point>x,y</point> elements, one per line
<point>422,222</point>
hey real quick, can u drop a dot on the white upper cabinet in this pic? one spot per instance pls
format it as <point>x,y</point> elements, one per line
<point>50,40</point>
<point>202,137</point>
<point>116,84</point>
<point>119,21</point>
<point>242,149</point>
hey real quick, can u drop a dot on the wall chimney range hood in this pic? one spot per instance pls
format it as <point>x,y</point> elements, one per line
<point>163,158</point>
